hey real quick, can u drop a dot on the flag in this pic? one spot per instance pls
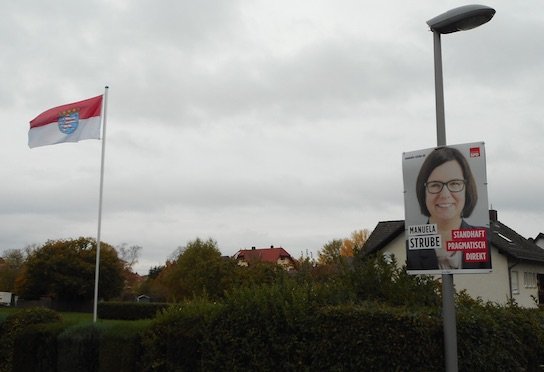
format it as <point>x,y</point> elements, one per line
<point>72,122</point>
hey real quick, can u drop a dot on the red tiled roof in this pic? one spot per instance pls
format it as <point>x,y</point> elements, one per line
<point>262,254</point>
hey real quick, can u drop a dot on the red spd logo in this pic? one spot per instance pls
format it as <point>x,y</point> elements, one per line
<point>474,152</point>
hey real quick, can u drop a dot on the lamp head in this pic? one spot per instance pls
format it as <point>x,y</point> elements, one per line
<point>461,19</point>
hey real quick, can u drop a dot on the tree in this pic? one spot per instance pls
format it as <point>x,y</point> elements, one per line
<point>155,271</point>
<point>199,270</point>
<point>379,278</point>
<point>354,245</point>
<point>12,261</point>
<point>65,271</point>
<point>330,252</point>
<point>129,255</point>
<point>258,273</point>
<point>152,286</point>
<point>348,247</point>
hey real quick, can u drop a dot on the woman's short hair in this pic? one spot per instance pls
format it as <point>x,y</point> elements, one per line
<point>436,158</point>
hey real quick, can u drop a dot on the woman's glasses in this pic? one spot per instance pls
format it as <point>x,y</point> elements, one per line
<point>435,187</point>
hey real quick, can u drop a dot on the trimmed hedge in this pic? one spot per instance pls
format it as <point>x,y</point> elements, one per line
<point>16,323</point>
<point>36,348</point>
<point>265,329</point>
<point>121,346</point>
<point>175,340</point>
<point>285,328</point>
<point>129,310</point>
<point>84,347</point>
<point>333,338</point>
<point>375,338</point>
<point>78,348</point>
<point>497,338</point>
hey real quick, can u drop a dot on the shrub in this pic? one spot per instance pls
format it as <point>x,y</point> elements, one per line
<point>174,339</point>
<point>129,310</point>
<point>120,347</point>
<point>375,278</point>
<point>78,348</point>
<point>36,348</point>
<point>486,328</point>
<point>375,337</point>
<point>262,328</point>
<point>14,324</point>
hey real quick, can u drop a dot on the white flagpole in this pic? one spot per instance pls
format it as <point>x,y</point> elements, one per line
<point>104,116</point>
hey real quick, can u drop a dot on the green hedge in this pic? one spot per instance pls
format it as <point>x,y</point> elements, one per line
<point>78,348</point>
<point>37,340</point>
<point>266,329</point>
<point>176,337</point>
<point>279,328</point>
<point>36,348</point>
<point>494,338</point>
<point>16,323</point>
<point>121,346</point>
<point>339,338</point>
<point>129,310</point>
<point>376,337</point>
<point>262,328</point>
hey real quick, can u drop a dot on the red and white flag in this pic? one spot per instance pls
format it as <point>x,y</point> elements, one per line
<point>67,123</point>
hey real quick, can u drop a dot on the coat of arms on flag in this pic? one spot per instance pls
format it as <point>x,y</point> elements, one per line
<point>68,121</point>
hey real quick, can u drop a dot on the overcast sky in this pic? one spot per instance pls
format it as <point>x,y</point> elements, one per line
<point>258,123</point>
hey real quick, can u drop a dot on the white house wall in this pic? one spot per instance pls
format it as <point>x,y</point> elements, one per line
<point>493,286</point>
<point>397,248</point>
<point>527,295</point>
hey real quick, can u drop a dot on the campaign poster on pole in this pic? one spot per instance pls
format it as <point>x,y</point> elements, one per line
<point>446,210</point>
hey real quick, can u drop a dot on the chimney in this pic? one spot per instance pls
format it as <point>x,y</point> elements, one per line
<point>493,215</point>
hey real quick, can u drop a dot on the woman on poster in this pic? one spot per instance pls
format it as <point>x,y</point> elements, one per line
<point>447,194</point>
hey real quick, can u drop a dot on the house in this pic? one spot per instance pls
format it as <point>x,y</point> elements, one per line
<point>539,240</point>
<point>143,298</point>
<point>276,255</point>
<point>517,263</point>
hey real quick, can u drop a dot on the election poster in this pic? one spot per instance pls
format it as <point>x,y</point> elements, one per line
<point>446,210</point>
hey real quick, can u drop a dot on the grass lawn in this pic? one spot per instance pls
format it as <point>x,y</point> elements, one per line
<point>5,311</point>
<point>68,317</point>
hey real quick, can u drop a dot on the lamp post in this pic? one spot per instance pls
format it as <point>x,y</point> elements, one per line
<point>459,19</point>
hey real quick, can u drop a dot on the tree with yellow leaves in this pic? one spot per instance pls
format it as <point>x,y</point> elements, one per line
<point>348,247</point>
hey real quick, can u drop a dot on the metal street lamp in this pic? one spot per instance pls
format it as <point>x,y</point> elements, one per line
<point>459,19</point>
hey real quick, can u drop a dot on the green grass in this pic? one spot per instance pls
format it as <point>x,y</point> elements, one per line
<point>74,318</point>
<point>5,311</point>
<point>67,317</point>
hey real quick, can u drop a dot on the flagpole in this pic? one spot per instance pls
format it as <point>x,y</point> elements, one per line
<point>97,266</point>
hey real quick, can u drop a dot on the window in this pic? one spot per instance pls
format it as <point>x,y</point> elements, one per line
<point>529,280</point>
<point>514,282</point>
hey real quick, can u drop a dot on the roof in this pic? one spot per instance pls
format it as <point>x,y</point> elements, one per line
<point>538,238</point>
<point>505,239</point>
<point>509,242</point>
<point>262,254</point>
<point>383,234</point>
